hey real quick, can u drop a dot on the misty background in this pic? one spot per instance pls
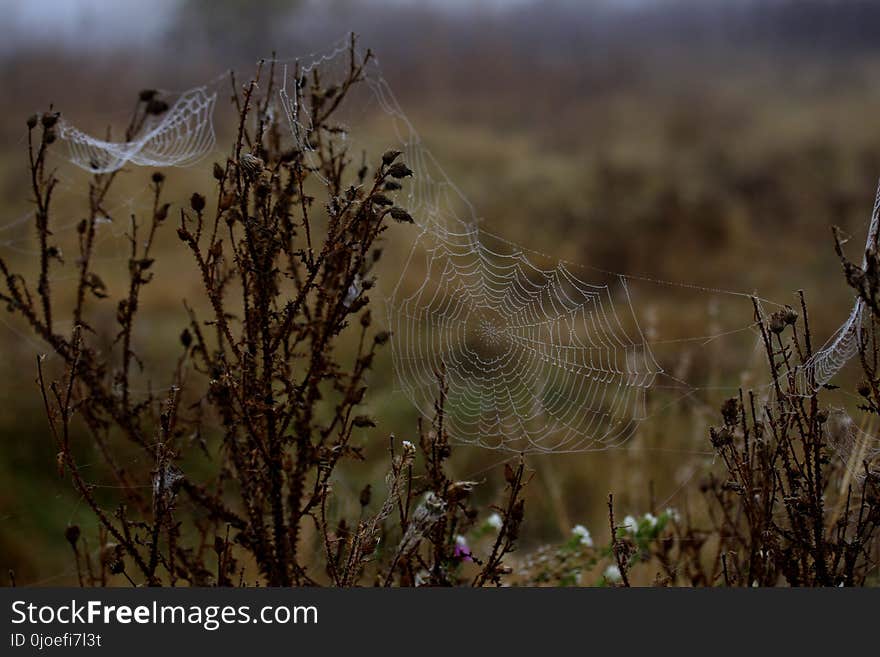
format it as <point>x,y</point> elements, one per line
<point>703,141</point>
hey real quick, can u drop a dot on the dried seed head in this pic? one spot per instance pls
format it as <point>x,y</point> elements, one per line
<point>366,494</point>
<point>401,216</point>
<point>381,337</point>
<point>730,411</point>
<point>382,200</point>
<point>263,189</point>
<point>32,121</point>
<point>157,107</point>
<point>72,534</point>
<point>158,177</point>
<point>777,322</point>
<point>789,316</point>
<point>50,119</point>
<point>389,156</point>
<point>162,212</point>
<point>720,437</point>
<point>219,172</point>
<point>197,202</point>
<point>399,170</point>
<point>251,165</point>
<point>864,390</point>
<point>363,421</point>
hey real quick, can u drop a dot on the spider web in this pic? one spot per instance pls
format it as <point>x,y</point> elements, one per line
<point>532,356</point>
<point>859,450</point>
<point>842,347</point>
<point>180,136</point>
<point>529,357</point>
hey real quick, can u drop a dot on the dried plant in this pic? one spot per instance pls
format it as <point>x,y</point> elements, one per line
<point>798,503</point>
<point>242,449</point>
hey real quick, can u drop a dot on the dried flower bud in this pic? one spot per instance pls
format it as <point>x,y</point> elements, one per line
<point>392,186</point>
<point>162,212</point>
<point>366,495</point>
<point>730,411</point>
<point>146,95</point>
<point>50,119</point>
<point>186,338</point>
<point>197,202</point>
<point>219,172</point>
<point>389,156</point>
<point>720,437</point>
<point>382,200</point>
<point>158,177</point>
<point>863,389</point>
<point>789,316</point>
<point>32,121</point>
<point>401,216</point>
<point>72,534</point>
<point>399,170</point>
<point>777,322</point>
<point>157,107</point>
<point>381,337</point>
<point>251,165</point>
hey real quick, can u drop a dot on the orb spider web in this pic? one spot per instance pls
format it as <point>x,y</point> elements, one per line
<point>529,358</point>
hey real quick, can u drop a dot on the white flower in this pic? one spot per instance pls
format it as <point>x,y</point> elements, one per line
<point>407,445</point>
<point>494,521</point>
<point>673,514</point>
<point>631,524</point>
<point>612,573</point>
<point>460,541</point>
<point>584,534</point>
<point>650,519</point>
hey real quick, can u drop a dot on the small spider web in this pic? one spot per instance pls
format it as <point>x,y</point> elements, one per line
<point>180,136</point>
<point>842,347</point>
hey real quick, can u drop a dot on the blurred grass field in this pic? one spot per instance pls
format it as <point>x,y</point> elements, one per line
<point>705,164</point>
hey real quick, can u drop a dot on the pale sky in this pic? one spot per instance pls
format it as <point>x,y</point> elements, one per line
<point>108,23</point>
